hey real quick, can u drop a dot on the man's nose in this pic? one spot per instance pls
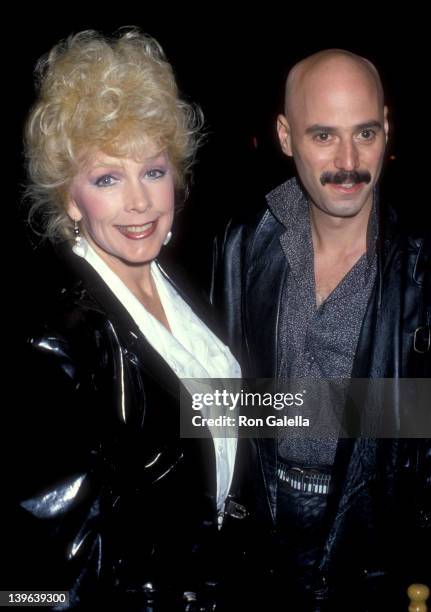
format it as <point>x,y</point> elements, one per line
<point>137,198</point>
<point>347,157</point>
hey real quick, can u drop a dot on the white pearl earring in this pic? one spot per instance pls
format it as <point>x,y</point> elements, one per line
<point>167,239</point>
<point>76,232</point>
<point>78,247</point>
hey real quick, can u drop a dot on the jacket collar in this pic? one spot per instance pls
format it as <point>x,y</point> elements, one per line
<point>290,206</point>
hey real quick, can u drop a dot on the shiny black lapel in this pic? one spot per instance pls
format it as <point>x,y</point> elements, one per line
<point>261,307</point>
<point>197,299</point>
<point>100,297</point>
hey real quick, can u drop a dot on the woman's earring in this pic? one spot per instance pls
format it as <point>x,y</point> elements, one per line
<point>76,232</point>
<point>167,239</point>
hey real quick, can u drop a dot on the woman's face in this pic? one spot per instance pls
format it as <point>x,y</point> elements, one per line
<point>125,207</point>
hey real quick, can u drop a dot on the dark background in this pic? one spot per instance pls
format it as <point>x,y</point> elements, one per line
<point>235,68</point>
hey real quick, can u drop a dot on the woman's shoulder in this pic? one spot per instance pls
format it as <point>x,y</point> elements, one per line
<point>63,310</point>
<point>68,316</point>
<point>64,344</point>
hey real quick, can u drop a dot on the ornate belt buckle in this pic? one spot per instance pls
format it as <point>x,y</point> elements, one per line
<point>235,510</point>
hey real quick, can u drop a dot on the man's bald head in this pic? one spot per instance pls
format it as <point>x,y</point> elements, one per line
<point>331,65</point>
<point>335,127</point>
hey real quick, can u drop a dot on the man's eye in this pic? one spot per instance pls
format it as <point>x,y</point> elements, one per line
<point>367,134</point>
<point>323,137</point>
<point>155,173</point>
<point>105,181</point>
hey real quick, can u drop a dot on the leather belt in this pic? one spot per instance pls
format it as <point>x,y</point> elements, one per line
<point>304,479</point>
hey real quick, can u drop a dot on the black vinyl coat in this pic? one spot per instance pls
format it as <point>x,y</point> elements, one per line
<point>100,495</point>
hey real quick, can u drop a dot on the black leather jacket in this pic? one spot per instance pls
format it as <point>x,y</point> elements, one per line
<point>379,516</point>
<point>103,497</point>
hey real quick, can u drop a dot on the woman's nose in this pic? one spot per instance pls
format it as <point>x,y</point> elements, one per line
<point>137,198</point>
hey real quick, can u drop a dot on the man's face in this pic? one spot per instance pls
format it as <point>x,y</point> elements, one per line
<point>336,131</point>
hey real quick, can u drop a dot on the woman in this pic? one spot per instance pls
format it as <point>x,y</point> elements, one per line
<point>113,503</point>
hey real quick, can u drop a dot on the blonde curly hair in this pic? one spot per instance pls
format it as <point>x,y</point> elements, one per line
<point>117,95</point>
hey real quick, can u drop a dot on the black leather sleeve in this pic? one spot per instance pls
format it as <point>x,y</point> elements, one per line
<point>56,470</point>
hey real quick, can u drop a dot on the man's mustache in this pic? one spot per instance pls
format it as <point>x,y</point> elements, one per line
<point>342,176</point>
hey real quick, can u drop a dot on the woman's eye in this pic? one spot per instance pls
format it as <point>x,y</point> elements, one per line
<point>155,173</point>
<point>105,181</point>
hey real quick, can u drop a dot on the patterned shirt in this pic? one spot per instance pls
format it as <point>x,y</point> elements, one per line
<point>317,342</point>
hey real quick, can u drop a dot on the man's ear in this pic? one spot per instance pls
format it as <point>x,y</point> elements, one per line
<point>284,135</point>
<point>386,123</point>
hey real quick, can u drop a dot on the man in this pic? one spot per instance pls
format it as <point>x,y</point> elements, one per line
<point>323,285</point>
